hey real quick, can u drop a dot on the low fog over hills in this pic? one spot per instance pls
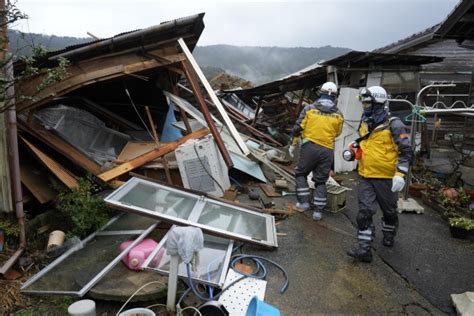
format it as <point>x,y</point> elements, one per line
<point>256,64</point>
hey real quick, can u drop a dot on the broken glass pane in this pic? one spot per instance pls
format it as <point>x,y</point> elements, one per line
<point>159,200</point>
<point>226,218</point>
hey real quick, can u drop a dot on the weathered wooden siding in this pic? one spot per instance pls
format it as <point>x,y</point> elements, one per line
<point>457,58</point>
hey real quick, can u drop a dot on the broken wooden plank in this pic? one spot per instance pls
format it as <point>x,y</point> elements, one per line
<point>207,115</point>
<point>59,171</point>
<point>214,98</point>
<point>269,190</point>
<point>60,145</point>
<point>135,148</point>
<point>149,156</point>
<point>85,73</point>
<point>34,181</point>
<point>152,126</point>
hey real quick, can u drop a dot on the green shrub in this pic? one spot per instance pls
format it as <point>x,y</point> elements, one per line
<point>86,212</point>
<point>10,228</point>
<point>462,222</point>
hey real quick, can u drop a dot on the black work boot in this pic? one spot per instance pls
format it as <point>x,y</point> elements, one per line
<point>363,254</point>
<point>388,240</point>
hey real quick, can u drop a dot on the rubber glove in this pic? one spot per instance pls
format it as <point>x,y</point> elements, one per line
<point>291,151</point>
<point>397,183</point>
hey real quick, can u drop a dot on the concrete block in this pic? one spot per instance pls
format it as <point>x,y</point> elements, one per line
<point>464,303</point>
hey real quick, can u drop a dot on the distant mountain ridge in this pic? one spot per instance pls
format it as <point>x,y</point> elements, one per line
<point>256,64</point>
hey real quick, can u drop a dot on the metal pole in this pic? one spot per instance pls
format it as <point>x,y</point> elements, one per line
<point>172,284</point>
<point>413,127</point>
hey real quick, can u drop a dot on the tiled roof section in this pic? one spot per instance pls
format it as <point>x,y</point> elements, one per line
<point>366,59</point>
<point>409,41</point>
<point>459,23</point>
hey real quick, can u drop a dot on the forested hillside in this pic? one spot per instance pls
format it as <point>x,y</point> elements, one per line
<point>256,64</point>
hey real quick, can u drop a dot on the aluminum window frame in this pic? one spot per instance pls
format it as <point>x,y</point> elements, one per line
<point>98,276</point>
<point>113,200</point>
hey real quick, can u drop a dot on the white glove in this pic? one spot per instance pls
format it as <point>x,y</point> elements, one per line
<point>291,151</point>
<point>397,184</point>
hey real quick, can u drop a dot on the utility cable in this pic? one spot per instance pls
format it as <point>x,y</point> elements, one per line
<point>260,273</point>
<point>135,293</point>
<point>205,169</point>
<point>260,267</point>
<point>136,110</point>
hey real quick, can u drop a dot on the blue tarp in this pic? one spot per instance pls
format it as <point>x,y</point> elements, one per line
<point>170,133</point>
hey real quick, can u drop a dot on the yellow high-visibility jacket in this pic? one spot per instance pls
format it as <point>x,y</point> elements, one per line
<point>386,151</point>
<point>318,126</point>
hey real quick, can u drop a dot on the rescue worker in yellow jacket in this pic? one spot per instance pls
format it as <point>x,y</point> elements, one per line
<point>316,128</point>
<point>384,155</point>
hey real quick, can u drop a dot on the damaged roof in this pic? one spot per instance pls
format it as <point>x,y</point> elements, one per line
<point>459,24</point>
<point>189,28</point>
<point>316,74</point>
<point>410,41</point>
<point>367,59</point>
<point>105,59</point>
<point>308,77</point>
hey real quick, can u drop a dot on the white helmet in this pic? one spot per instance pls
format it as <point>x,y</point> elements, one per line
<point>375,94</point>
<point>329,88</point>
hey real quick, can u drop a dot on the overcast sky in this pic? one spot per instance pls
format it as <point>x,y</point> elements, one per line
<point>356,24</point>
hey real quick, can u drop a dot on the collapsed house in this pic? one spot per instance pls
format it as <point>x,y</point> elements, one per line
<point>133,103</point>
<point>124,107</point>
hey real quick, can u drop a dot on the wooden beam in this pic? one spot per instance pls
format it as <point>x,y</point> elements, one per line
<point>149,156</point>
<point>184,117</point>
<point>259,104</point>
<point>157,143</point>
<point>205,112</point>
<point>59,171</point>
<point>230,126</point>
<point>300,102</point>
<point>152,126</point>
<point>61,146</point>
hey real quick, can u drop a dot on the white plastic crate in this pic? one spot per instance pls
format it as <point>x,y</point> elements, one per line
<point>200,159</point>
